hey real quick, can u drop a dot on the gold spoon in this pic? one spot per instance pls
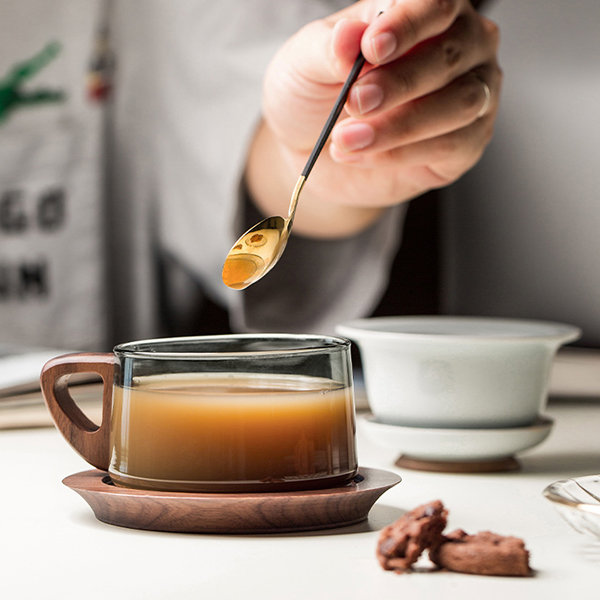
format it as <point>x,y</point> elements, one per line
<point>257,251</point>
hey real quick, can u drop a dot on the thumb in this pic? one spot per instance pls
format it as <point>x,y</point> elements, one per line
<point>325,50</point>
<point>345,43</point>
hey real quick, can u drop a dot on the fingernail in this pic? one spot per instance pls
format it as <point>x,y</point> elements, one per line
<point>366,97</point>
<point>354,136</point>
<point>383,45</point>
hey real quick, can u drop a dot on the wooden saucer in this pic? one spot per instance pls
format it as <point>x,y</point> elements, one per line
<point>272,512</point>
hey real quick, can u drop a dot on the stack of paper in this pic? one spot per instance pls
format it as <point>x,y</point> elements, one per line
<point>21,402</point>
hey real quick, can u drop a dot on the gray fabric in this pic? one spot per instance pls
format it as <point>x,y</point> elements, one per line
<point>317,284</point>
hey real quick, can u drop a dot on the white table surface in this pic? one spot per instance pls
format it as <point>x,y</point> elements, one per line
<point>53,547</point>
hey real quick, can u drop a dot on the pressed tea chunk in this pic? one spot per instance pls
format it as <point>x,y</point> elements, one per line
<point>401,543</point>
<point>484,553</point>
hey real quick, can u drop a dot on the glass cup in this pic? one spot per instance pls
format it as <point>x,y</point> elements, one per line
<point>234,413</point>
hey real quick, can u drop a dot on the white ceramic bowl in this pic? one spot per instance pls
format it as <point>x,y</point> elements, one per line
<point>436,371</point>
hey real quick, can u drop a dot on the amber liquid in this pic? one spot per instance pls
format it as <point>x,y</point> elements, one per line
<point>232,433</point>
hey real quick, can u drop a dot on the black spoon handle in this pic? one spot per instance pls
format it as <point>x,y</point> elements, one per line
<point>335,113</point>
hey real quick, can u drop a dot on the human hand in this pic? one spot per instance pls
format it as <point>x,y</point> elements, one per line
<point>418,117</point>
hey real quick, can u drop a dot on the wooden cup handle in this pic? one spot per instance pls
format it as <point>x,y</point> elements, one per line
<point>87,438</point>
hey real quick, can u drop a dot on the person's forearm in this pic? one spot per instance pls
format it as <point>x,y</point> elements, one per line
<point>271,174</point>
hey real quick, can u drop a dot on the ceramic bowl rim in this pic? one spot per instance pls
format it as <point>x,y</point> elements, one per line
<point>533,330</point>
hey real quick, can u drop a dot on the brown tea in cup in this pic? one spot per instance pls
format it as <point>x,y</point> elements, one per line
<point>229,429</point>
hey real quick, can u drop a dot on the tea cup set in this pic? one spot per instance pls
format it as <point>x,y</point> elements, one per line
<point>457,393</point>
<point>245,433</point>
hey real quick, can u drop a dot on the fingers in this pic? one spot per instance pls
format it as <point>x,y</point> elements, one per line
<point>440,94</point>
<point>453,107</point>
<point>433,162</point>
<point>431,151</point>
<point>325,49</point>
<point>405,24</point>
<point>428,67</point>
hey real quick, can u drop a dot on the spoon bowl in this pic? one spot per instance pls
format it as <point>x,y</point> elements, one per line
<point>255,253</point>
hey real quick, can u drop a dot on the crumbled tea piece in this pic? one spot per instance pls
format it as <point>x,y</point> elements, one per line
<point>484,553</point>
<point>401,543</point>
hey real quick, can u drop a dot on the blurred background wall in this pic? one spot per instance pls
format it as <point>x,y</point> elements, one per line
<point>520,234</point>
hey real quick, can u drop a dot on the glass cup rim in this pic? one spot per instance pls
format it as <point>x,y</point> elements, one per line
<point>149,348</point>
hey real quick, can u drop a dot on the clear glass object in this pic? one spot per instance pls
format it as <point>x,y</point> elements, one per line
<point>578,502</point>
<point>235,413</point>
